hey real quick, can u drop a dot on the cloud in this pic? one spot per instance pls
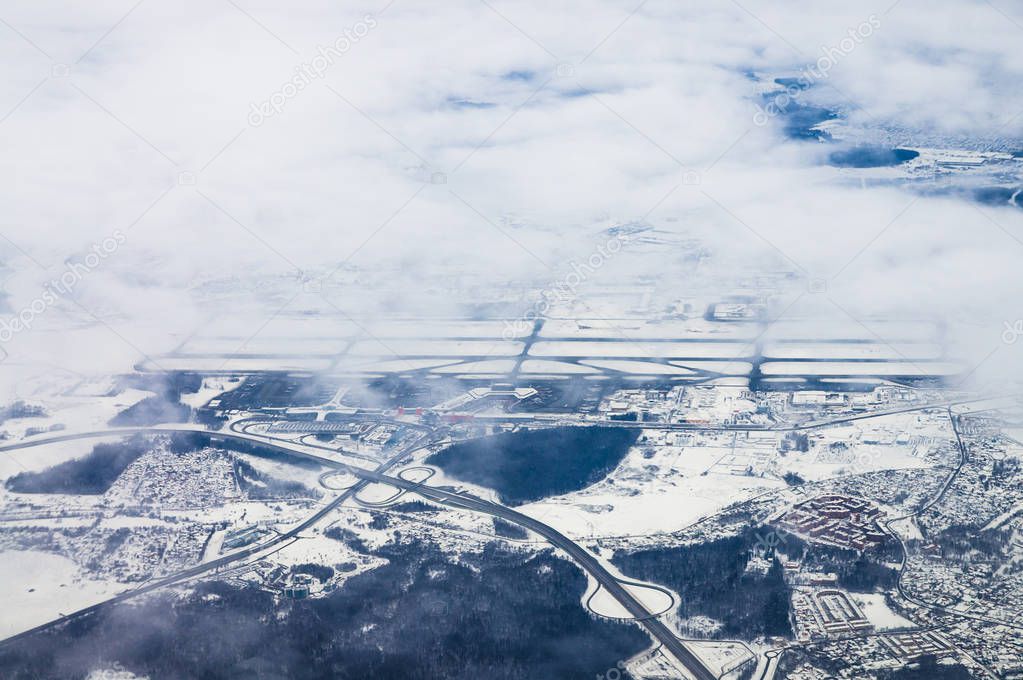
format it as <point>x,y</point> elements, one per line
<point>594,113</point>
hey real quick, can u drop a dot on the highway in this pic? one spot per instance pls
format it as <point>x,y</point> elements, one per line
<point>670,643</point>
<point>588,562</point>
<point>205,567</point>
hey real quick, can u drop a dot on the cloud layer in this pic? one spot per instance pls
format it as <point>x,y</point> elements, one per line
<point>487,139</point>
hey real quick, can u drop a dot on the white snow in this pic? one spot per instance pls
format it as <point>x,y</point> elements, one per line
<point>263,345</point>
<point>45,456</point>
<point>862,350</point>
<point>639,367</point>
<point>378,492</point>
<point>563,367</point>
<point>211,388</point>
<point>635,500</point>
<point>403,347</point>
<point>414,328</point>
<point>497,367</point>
<point>642,329</point>
<point>655,599</point>
<point>240,363</point>
<point>37,587</point>
<point>881,368</point>
<point>639,349</point>
<point>878,612</point>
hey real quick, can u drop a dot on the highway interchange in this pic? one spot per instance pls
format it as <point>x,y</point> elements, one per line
<point>669,642</point>
<point>239,432</point>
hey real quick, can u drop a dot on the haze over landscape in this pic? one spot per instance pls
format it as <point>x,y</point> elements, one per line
<point>546,312</point>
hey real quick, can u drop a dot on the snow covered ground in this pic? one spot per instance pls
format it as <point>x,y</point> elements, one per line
<point>419,347</point>
<point>264,345</point>
<point>878,612</point>
<point>80,407</point>
<point>864,350</point>
<point>639,367</point>
<point>815,330</point>
<point>881,368</point>
<point>642,329</point>
<point>241,363</point>
<point>38,587</point>
<point>657,599</point>
<point>210,389</point>
<point>414,328</point>
<point>46,455</point>
<point>641,350</point>
<point>661,494</point>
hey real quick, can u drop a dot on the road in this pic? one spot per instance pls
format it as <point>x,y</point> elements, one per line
<point>205,567</point>
<point>670,643</point>
<point>700,427</point>
<point>889,525</point>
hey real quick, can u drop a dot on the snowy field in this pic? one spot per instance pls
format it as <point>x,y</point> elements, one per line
<point>241,364</point>
<point>641,350</point>
<point>849,350</point>
<point>283,326</point>
<point>446,329</point>
<point>635,502</point>
<point>262,344</point>
<point>880,368</point>
<point>870,331</point>
<point>82,407</point>
<point>878,612</point>
<point>39,587</point>
<point>656,599</point>
<point>47,455</point>
<point>402,347</point>
<point>547,367</point>
<point>495,367</point>
<point>364,364</point>
<point>639,367</point>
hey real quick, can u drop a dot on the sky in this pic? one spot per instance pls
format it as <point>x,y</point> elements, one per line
<point>190,143</point>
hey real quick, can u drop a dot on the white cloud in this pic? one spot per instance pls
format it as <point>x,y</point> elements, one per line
<point>172,84</point>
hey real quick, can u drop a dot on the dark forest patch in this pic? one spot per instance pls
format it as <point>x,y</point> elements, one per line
<point>712,581</point>
<point>506,529</point>
<point>92,474</point>
<point>533,464</point>
<point>413,506</point>
<point>871,157</point>
<point>517,617</point>
<point>259,486</point>
<point>152,411</point>
<point>319,572</point>
<point>859,572</point>
<point>198,440</point>
<point>22,409</point>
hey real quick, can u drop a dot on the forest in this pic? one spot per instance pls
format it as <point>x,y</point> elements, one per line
<point>529,465</point>
<point>859,572</point>
<point>712,581</point>
<point>91,474</point>
<point>164,406</point>
<point>504,616</point>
